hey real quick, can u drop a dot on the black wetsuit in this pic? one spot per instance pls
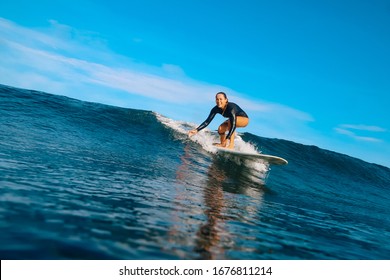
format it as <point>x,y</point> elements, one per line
<point>232,111</point>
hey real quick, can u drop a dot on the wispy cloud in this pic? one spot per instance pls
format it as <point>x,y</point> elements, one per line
<point>352,131</point>
<point>60,59</point>
<point>363,127</point>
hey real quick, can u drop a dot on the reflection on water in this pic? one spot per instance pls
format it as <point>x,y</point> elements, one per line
<point>213,202</point>
<point>208,243</point>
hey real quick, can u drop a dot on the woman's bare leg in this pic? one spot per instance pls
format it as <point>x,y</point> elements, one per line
<point>225,126</point>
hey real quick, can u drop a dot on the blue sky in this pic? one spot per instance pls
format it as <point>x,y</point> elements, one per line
<point>313,72</point>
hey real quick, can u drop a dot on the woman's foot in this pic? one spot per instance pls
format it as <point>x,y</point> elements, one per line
<point>231,147</point>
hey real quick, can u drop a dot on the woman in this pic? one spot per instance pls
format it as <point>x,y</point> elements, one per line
<point>237,118</point>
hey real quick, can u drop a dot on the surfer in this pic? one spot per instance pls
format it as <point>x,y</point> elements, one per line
<point>237,118</point>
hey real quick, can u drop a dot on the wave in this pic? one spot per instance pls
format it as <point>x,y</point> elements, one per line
<point>131,184</point>
<point>205,139</point>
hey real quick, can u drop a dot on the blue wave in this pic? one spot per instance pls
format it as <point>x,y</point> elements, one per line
<point>83,180</point>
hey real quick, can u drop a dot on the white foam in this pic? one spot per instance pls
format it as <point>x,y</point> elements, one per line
<point>206,138</point>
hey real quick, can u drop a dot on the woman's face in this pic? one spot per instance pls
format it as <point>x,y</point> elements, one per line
<point>221,101</point>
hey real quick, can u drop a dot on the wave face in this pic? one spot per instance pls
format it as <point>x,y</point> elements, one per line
<point>82,180</point>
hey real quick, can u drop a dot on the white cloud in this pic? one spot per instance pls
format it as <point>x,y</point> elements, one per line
<point>364,127</point>
<point>368,139</point>
<point>349,130</point>
<point>62,60</point>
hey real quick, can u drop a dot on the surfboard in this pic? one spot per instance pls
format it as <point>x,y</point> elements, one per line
<point>268,158</point>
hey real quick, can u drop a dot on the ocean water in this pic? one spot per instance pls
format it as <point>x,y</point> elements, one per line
<point>83,180</point>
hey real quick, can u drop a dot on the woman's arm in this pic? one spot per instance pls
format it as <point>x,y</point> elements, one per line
<point>204,124</point>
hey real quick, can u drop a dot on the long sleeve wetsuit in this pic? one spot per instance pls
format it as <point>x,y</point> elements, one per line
<point>232,111</point>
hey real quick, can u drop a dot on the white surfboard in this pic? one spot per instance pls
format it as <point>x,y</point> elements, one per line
<point>268,158</point>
